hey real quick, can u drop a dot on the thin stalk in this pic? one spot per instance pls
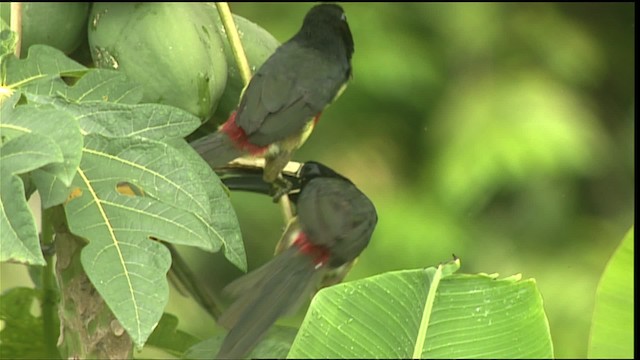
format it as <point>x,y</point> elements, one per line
<point>16,25</point>
<point>234,41</point>
<point>245,73</point>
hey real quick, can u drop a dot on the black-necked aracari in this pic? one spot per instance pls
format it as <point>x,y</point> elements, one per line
<point>333,224</point>
<point>285,97</point>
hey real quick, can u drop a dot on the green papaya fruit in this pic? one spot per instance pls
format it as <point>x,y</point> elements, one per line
<point>258,45</point>
<point>57,24</point>
<point>172,49</point>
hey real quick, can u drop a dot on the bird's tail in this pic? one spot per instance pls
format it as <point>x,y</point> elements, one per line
<point>217,149</point>
<point>264,295</point>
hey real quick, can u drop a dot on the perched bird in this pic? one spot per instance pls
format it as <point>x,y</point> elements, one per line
<point>333,224</point>
<point>285,97</point>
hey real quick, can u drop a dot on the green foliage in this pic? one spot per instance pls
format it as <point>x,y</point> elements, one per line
<point>33,140</point>
<point>86,146</point>
<point>612,333</point>
<point>42,72</point>
<point>22,335</point>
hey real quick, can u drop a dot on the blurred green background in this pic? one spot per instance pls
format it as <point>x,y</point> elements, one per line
<point>501,133</point>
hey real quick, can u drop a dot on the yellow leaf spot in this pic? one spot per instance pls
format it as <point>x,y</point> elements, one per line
<point>75,193</point>
<point>129,189</point>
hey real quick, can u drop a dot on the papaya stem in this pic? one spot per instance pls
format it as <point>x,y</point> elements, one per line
<point>234,41</point>
<point>16,25</point>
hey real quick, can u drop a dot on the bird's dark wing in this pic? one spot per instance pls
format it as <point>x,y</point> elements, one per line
<point>289,89</point>
<point>278,287</point>
<point>334,213</point>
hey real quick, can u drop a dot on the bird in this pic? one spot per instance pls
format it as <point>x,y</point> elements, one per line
<point>285,97</point>
<point>334,223</point>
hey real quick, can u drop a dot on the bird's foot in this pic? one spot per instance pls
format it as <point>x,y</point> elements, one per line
<point>279,188</point>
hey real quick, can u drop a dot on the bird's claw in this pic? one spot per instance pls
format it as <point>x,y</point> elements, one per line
<point>279,188</point>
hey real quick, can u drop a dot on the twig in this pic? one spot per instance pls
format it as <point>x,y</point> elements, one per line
<point>285,204</point>
<point>16,25</point>
<point>245,73</point>
<point>234,41</point>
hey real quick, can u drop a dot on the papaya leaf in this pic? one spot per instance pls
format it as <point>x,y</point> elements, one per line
<point>106,86</point>
<point>52,179</point>
<point>612,333</point>
<point>47,71</point>
<point>167,337</point>
<point>115,120</point>
<point>427,313</point>
<point>223,217</point>
<point>121,260</point>
<point>52,191</point>
<point>169,124</point>
<point>123,187</point>
<point>58,126</point>
<point>151,121</point>
<point>34,139</point>
<point>206,349</point>
<point>28,152</point>
<point>41,72</point>
<point>19,236</point>
<point>275,345</point>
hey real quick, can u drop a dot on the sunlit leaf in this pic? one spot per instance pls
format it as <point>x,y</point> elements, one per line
<point>399,315</point>
<point>612,327</point>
